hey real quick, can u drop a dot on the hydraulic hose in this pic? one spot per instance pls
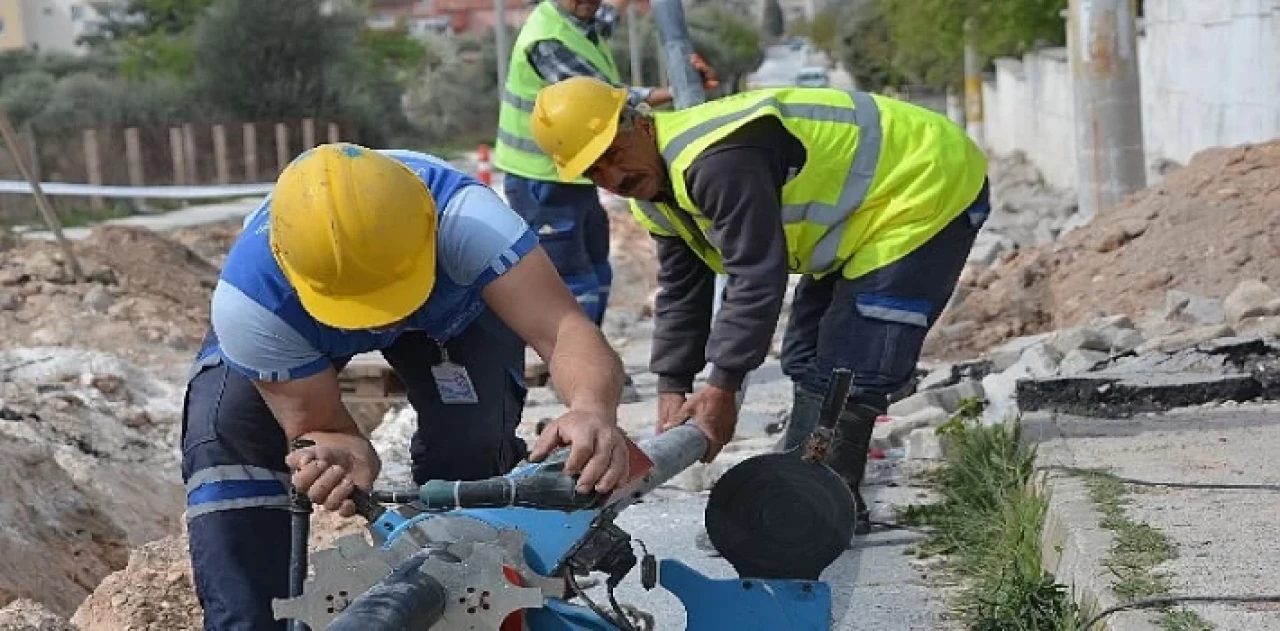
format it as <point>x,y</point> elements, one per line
<point>407,600</point>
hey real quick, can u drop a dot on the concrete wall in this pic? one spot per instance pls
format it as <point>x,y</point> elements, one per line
<point>1210,77</point>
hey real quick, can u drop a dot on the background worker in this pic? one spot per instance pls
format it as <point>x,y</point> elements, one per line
<point>562,39</point>
<point>357,251</point>
<point>876,202</point>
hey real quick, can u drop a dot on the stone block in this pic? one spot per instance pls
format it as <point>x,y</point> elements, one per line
<point>1250,298</point>
<point>1081,337</point>
<point>1008,353</point>
<point>1184,339</point>
<point>894,433</point>
<point>1188,308</point>
<point>1080,360</point>
<point>925,444</point>
<point>947,399</point>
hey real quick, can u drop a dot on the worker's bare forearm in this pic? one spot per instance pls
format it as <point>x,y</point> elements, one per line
<point>659,97</point>
<point>586,372</point>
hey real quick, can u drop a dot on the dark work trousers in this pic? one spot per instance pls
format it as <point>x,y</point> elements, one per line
<point>233,454</point>
<point>875,325</point>
<point>573,228</point>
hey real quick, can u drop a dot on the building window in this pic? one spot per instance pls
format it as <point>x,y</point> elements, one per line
<point>77,12</point>
<point>1,26</point>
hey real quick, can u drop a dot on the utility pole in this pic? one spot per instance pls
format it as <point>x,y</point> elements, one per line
<point>500,39</point>
<point>1103,43</point>
<point>636,47</point>
<point>973,84</point>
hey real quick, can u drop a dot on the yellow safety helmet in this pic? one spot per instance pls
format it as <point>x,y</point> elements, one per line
<point>355,233</point>
<point>574,121</point>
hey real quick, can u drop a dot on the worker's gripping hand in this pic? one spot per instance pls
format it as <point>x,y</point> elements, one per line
<point>709,80</point>
<point>670,410</point>
<point>715,411</point>
<point>597,449</point>
<point>329,470</point>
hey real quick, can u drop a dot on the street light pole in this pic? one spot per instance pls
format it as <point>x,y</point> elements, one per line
<point>500,39</point>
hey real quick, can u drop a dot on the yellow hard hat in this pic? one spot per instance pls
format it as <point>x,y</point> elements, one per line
<point>355,233</point>
<point>574,121</point>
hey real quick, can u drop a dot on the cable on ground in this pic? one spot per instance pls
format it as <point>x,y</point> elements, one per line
<point>1165,601</point>
<point>1274,488</point>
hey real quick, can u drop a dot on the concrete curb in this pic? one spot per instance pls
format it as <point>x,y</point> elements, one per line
<point>1075,547</point>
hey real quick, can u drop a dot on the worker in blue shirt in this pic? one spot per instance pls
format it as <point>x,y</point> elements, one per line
<point>355,251</point>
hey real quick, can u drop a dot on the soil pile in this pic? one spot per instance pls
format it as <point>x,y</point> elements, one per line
<point>1201,230</point>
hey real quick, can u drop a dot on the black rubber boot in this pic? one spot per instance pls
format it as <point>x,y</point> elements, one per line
<point>848,456</point>
<point>806,407</point>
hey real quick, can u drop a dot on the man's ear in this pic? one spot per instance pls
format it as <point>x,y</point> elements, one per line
<point>644,124</point>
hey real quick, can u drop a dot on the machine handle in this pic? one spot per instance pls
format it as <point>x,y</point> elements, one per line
<point>837,394</point>
<point>366,506</point>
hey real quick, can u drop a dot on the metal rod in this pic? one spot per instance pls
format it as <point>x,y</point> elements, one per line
<point>636,46</point>
<point>677,48</point>
<point>42,203</point>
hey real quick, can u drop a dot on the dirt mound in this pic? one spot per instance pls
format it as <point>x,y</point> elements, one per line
<point>147,263</point>
<point>1201,230</point>
<point>145,297</point>
<point>56,543</point>
<point>156,590</point>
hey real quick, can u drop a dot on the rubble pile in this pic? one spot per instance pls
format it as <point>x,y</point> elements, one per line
<point>1203,228</point>
<point>145,297</point>
<point>89,469</point>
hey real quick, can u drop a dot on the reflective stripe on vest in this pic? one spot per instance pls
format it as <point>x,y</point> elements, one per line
<point>865,115</point>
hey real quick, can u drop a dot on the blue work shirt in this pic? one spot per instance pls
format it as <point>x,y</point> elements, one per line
<point>261,329</point>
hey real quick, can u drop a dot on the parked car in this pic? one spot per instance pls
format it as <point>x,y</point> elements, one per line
<point>812,78</point>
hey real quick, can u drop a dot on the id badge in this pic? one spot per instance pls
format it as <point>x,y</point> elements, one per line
<point>453,382</point>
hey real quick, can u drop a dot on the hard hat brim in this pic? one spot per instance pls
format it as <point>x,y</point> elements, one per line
<point>573,168</point>
<point>382,307</point>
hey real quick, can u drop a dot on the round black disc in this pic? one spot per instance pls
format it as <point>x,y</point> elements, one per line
<point>777,516</point>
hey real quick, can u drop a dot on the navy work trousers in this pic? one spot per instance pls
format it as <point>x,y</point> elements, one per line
<point>233,454</point>
<point>875,325</point>
<point>573,228</point>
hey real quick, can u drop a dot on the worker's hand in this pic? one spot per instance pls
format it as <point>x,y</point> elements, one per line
<point>709,80</point>
<point>597,449</point>
<point>329,470</point>
<point>670,406</point>
<point>715,410</point>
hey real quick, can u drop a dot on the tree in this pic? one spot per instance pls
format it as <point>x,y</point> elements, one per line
<point>259,59</point>
<point>771,19</point>
<point>728,41</point>
<point>151,37</point>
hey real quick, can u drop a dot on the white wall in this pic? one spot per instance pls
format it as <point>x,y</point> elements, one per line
<point>1210,74</point>
<point>54,25</point>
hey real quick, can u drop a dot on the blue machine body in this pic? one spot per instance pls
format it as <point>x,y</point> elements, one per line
<point>710,604</point>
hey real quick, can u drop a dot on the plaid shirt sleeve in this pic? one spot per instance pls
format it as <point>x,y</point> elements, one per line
<point>554,62</point>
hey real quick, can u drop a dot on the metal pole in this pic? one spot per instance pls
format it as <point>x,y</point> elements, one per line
<point>686,84</point>
<point>636,46</point>
<point>677,48</point>
<point>500,39</point>
<point>42,203</point>
<point>1102,41</point>
<point>973,84</point>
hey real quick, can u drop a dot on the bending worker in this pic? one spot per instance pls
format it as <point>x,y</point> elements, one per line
<point>356,251</point>
<point>876,202</point>
<point>563,39</point>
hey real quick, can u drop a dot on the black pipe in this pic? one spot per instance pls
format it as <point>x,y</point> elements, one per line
<point>407,600</point>
<point>299,534</point>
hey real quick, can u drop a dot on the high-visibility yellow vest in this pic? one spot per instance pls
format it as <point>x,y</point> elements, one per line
<point>880,177</point>
<point>515,150</point>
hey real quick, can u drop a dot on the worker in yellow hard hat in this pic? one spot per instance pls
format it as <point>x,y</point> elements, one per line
<point>874,202</point>
<point>559,40</point>
<point>356,251</point>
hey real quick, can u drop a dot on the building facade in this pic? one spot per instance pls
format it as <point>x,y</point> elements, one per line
<point>45,25</point>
